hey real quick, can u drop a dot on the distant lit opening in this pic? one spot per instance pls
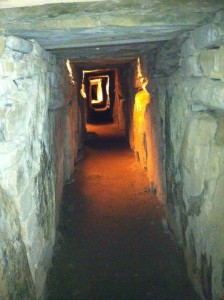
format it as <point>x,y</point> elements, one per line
<point>99,93</point>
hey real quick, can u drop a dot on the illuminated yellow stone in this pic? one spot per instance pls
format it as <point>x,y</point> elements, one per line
<point>142,98</point>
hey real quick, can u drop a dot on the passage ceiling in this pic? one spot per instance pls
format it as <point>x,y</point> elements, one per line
<point>110,30</point>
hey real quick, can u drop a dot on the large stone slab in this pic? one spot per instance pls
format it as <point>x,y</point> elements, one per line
<point>81,25</point>
<point>208,92</point>
<point>15,276</point>
<point>195,152</point>
<point>211,63</point>
<point>18,44</point>
<point>190,66</point>
<point>210,35</point>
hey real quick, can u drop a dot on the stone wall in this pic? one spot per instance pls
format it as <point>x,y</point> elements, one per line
<point>119,102</point>
<point>38,147</point>
<point>142,120</point>
<point>194,100</point>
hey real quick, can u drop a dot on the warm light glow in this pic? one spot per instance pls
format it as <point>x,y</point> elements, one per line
<point>139,70</point>
<point>82,91</point>
<point>94,71</point>
<point>99,92</point>
<point>142,98</point>
<point>69,67</point>
<point>108,85</point>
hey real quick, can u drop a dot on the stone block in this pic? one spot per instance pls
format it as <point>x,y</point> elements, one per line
<point>190,66</point>
<point>37,49</point>
<point>55,69</point>
<point>212,63</point>
<point>219,17</point>
<point>207,36</point>
<point>188,48</point>
<point>7,87</point>
<point>30,170</point>
<point>10,152</point>
<point>2,44</point>
<point>46,55</point>
<point>6,67</point>
<point>16,281</point>
<point>53,79</point>
<point>1,69</point>
<point>57,99</point>
<point>198,107</point>
<point>25,203</point>
<point>23,69</point>
<point>209,93</point>
<point>219,137</point>
<point>53,60</point>
<point>18,44</point>
<point>195,153</point>
<point>17,56</point>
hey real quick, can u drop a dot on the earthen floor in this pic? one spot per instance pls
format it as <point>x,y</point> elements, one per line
<point>112,243</point>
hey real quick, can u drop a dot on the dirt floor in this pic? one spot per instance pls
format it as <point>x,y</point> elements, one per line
<point>112,243</point>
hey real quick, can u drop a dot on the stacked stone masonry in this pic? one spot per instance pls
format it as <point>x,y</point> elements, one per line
<point>38,107</point>
<point>194,133</point>
<point>135,111</point>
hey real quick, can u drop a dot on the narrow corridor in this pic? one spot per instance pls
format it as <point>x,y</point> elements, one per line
<point>112,244</point>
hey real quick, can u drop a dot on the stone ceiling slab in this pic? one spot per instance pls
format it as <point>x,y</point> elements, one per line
<point>19,3</point>
<point>117,24</point>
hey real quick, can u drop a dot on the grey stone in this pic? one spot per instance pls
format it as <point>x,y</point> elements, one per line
<point>63,27</point>
<point>7,87</point>
<point>195,152</point>
<point>2,44</point>
<point>46,55</point>
<point>212,63</point>
<point>18,56</point>
<point>53,79</point>
<point>188,48</point>
<point>190,66</point>
<point>16,280</point>
<point>219,17</point>
<point>1,69</point>
<point>37,49</point>
<point>209,93</point>
<point>198,107</point>
<point>29,163</point>
<point>219,137</point>
<point>8,67</point>
<point>206,36</point>
<point>18,44</point>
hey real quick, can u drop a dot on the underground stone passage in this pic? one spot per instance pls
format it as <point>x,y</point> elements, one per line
<point>153,73</point>
<point>112,243</point>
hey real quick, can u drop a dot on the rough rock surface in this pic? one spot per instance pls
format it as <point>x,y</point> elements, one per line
<point>194,154</point>
<point>136,113</point>
<point>32,155</point>
<point>95,29</point>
